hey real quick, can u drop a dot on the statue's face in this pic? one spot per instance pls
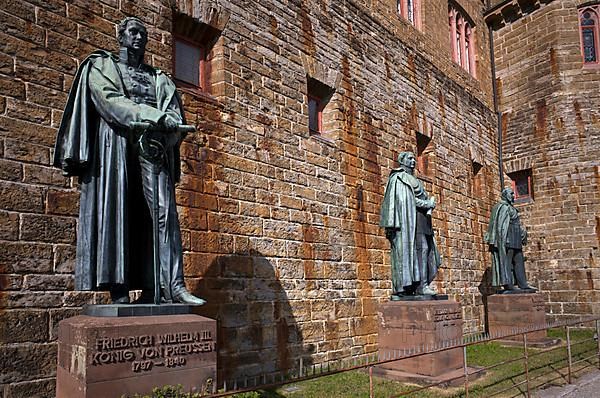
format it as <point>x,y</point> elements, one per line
<point>410,161</point>
<point>134,37</point>
<point>510,196</point>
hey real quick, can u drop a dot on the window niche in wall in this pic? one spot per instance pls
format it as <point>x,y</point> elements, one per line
<point>462,38</point>
<point>522,185</point>
<point>192,44</point>
<point>318,97</point>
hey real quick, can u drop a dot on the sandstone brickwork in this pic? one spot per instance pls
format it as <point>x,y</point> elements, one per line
<point>280,228</point>
<point>550,124</point>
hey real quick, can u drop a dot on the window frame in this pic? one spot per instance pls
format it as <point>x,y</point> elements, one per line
<point>595,10</point>
<point>320,107</point>
<point>402,9</point>
<point>203,64</point>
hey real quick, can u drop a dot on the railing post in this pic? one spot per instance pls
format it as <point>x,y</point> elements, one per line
<point>569,353</point>
<point>371,382</point>
<point>598,340</point>
<point>466,370</point>
<point>526,357</point>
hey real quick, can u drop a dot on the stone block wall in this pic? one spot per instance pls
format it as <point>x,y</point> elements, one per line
<point>550,105</point>
<point>280,227</point>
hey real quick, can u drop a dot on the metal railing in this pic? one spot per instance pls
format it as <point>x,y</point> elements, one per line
<point>368,361</point>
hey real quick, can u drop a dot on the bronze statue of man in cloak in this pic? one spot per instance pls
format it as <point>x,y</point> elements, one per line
<point>406,217</point>
<point>96,144</point>
<point>506,238</point>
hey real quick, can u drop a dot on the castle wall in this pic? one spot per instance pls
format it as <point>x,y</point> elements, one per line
<point>550,124</point>
<point>280,228</point>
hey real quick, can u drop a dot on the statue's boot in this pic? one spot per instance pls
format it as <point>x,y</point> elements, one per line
<point>184,297</point>
<point>529,287</point>
<point>509,288</point>
<point>426,290</point>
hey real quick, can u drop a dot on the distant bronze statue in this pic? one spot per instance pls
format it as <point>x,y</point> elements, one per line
<point>506,238</point>
<point>406,217</point>
<point>120,134</point>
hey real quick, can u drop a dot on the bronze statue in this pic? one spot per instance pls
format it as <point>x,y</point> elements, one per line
<point>406,217</point>
<point>506,238</point>
<point>97,142</point>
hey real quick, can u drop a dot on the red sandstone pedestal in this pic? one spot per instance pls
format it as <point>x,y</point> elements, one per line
<point>410,324</point>
<point>507,312</point>
<point>109,356</point>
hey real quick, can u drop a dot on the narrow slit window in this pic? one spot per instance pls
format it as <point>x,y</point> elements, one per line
<point>588,24</point>
<point>410,10</point>
<point>315,115</point>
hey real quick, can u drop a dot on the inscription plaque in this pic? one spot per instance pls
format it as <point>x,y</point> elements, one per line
<point>108,357</point>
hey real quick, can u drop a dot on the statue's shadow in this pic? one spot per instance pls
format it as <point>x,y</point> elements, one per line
<point>486,289</point>
<point>257,332</point>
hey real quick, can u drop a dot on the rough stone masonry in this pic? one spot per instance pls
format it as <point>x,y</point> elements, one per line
<point>280,227</point>
<point>549,100</point>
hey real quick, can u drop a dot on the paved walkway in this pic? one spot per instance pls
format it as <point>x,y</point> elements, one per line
<point>587,386</point>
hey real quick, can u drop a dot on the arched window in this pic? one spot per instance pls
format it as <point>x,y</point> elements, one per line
<point>411,11</point>
<point>462,39</point>
<point>588,24</point>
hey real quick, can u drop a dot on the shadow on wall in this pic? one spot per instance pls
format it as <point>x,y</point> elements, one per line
<point>486,289</point>
<point>257,330</point>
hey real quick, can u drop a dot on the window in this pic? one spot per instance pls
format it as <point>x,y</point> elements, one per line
<point>462,38</point>
<point>411,11</point>
<point>588,25</point>
<point>192,52</point>
<point>318,95</point>
<point>521,185</point>
<point>190,63</point>
<point>315,114</point>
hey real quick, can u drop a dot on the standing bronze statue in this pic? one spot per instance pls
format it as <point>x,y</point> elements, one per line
<point>406,217</point>
<point>506,238</point>
<point>118,168</point>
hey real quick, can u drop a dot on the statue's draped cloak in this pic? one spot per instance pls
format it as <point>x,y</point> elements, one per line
<point>94,144</point>
<point>496,238</point>
<point>403,194</point>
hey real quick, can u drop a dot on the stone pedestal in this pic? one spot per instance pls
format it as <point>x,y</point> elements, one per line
<point>111,356</point>
<point>406,325</point>
<point>507,312</point>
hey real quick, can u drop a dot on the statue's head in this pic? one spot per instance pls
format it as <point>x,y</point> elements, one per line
<point>132,34</point>
<point>407,160</point>
<point>508,194</point>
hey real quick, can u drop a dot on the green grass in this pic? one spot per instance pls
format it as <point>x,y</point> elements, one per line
<point>543,364</point>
